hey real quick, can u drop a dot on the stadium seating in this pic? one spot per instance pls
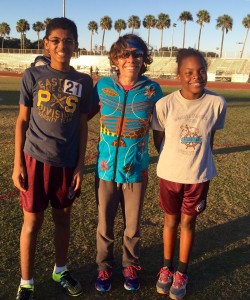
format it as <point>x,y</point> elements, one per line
<point>162,67</point>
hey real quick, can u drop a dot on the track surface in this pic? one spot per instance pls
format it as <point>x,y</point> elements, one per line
<point>210,84</point>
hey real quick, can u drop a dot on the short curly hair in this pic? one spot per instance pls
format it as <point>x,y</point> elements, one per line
<point>121,44</point>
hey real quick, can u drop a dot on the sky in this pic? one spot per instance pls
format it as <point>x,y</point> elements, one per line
<point>84,11</point>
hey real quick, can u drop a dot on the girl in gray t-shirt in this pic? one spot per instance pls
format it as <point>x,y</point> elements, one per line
<point>184,124</point>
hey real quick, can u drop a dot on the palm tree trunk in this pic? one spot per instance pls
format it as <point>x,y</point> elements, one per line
<point>133,30</point>
<point>199,38</point>
<point>161,36</point>
<point>21,41</point>
<point>91,35</point>
<point>184,35</point>
<point>148,35</point>
<point>2,42</point>
<point>103,39</point>
<point>38,40</point>
<point>222,40</point>
<point>243,47</point>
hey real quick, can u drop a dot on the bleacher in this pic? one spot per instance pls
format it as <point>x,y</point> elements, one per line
<point>163,67</point>
<point>233,66</point>
<point>15,62</point>
<point>237,70</point>
<point>85,62</point>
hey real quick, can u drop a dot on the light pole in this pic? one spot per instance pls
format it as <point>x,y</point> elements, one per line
<point>217,54</point>
<point>240,43</point>
<point>64,8</point>
<point>174,25</point>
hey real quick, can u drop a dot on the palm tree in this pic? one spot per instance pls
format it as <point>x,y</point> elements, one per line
<point>203,17</point>
<point>93,28</point>
<point>4,30</point>
<point>149,22</point>
<point>46,21</point>
<point>119,26</point>
<point>37,27</point>
<point>162,22</point>
<point>224,22</point>
<point>134,22</point>
<point>22,26</point>
<point>184,17</point>
<point>106,24</point>
<point>246,24</point>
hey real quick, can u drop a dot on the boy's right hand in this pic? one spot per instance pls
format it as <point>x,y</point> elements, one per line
<point>19,178</point>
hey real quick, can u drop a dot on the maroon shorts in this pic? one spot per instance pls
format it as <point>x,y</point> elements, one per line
<point>189,199</point>
<point>46,184</point>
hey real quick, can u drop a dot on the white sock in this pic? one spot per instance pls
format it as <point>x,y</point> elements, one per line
<point>27,282</point>
<point>61,269</point>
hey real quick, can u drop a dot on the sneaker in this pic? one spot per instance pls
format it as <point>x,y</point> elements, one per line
<point>165,281</point>
<point>103,281</point>
<point>178,288</point>
<point>25,292</point>
<point>131,279</point>
<point>70,284</point>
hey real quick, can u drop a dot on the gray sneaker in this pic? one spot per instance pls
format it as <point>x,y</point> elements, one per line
<point>178,288</point>
<point>165,280</point>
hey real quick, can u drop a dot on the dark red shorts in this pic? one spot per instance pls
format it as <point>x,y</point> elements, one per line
<point>189,199</point>
<point>46,184</point>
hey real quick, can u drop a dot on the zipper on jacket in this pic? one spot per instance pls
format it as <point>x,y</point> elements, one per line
<point>119,135</point>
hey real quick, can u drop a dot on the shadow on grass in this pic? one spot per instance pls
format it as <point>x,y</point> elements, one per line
<point>9,97</point>
<point>228,150</point>
<point>203,272</point>
<point>214,242</point>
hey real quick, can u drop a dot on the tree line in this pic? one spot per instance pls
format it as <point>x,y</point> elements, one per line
<point>224,22</point>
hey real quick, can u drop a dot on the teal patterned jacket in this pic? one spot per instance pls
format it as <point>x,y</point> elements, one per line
<point>124,128</point>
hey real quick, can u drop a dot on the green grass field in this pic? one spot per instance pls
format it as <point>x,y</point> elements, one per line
<point>219,267</point>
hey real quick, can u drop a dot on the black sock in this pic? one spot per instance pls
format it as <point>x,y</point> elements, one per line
<point>182,267</point>
<point>168,263</point>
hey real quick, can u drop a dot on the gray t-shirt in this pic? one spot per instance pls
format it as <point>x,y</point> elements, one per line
<point>57,99</point>
<point>186,155</point>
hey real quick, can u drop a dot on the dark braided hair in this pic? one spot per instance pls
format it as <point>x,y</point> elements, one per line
<point>184,53</point>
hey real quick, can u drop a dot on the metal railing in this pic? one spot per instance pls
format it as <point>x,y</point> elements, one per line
<point>155,53</point>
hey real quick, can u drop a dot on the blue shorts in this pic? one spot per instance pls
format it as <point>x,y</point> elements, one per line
<point>189,199</point>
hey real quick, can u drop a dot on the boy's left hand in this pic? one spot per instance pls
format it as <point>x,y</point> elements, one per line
<point>77,180</point>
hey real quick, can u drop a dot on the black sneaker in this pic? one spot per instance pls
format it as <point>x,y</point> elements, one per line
<point>25,292</point>
<point>70,284</point>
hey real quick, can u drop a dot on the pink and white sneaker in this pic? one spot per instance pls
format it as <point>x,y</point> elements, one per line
<point>178,288</point>
<point>165,280</point>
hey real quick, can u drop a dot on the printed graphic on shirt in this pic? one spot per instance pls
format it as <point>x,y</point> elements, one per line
<point>57,99</point>
<point>110,92</point>
<point>190,136</point>
<point>150,92</point>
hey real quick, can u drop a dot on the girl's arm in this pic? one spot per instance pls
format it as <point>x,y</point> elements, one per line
<point>158,138</point>
<point>19,175</point>
<point>212,139</point>
<point>78,173</point>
